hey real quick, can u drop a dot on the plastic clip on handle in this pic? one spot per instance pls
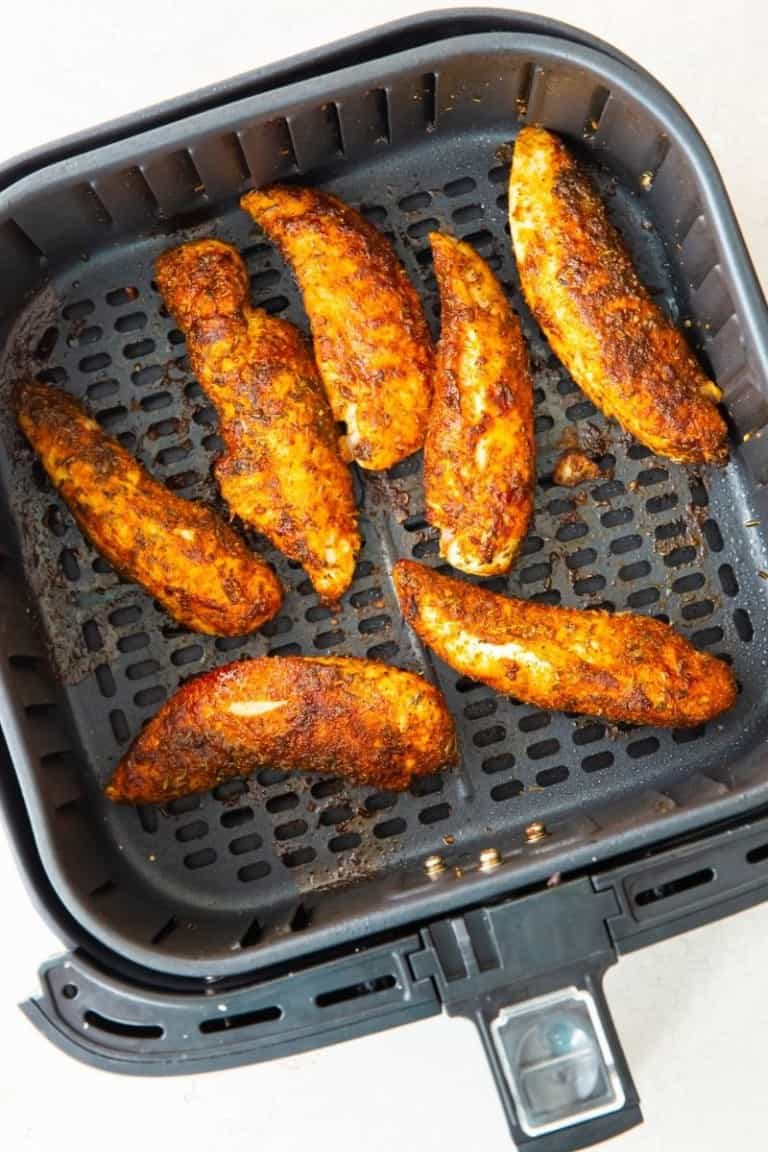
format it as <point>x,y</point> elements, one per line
<point>558,1066</point>
<point>529,974</point>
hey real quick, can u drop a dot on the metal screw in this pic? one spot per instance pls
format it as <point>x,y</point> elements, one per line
<point>433,866</point>
<point>535,831</point>
<point>490,858</point>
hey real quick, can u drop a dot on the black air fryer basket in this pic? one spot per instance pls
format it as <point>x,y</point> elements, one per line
<point>282,912</point>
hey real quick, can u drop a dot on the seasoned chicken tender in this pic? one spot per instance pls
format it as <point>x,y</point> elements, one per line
<point>579,282</point>
<point>373,724</point>
<point>281,470</point>
<point>623,668</point>
<point>372,344</point>
<point>181,552</point>
<point>479,454</point>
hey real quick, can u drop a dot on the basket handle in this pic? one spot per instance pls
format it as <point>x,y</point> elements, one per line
<point>559,1067</point>
<point>529,974</point>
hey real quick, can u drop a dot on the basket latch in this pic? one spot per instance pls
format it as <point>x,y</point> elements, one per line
<point>529,973</point>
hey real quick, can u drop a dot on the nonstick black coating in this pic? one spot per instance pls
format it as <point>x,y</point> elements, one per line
<point>227,872</point>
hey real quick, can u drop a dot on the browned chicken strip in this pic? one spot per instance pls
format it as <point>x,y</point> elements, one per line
<point>479,454</point>
<point>372,344</point>
<point>374,724</point>
<point>579,282</point>
<point>181,552</point>
<point>281,470</point>
<point>623,667</point>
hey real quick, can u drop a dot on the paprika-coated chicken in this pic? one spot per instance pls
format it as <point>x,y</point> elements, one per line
<point>579,282</point>
<point>623,668</point>
<point>281,470</point>
<point>372,344</point>
<point>374,724</point>
<point>479,454</point>
<point>185,555</point>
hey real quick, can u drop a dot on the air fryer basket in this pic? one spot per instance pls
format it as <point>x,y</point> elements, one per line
<point>280,866</point>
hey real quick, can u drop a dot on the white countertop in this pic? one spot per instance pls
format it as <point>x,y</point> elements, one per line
<point>691,1012</point>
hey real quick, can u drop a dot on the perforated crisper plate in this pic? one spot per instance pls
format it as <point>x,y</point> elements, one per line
<point>226,870</point>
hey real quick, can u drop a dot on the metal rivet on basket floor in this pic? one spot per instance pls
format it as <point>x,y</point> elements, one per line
<point>433,866</point>
<point>535,831</point>
<point>490,858</point>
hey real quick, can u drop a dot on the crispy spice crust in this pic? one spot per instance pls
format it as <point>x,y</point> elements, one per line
<point>479,454</point>
<point>373,724</point>
<point>574,468</point>
<point>181,552</point>
<point>623,668</point>
<point>281,470</point>
<point>372,344</point>
<point>579,282</point>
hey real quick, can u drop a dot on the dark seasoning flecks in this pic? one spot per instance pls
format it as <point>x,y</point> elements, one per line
<point>258,843</point>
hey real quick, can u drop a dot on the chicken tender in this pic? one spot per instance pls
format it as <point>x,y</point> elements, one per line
<point>479,454</point>
<point>373,724</point>
<point>372,344</point>
<point>579,282</point>
<point>623,668</point>
<point>181,552</point>
<point>281,470</point>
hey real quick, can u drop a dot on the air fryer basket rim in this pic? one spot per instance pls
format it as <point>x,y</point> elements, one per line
<point>639,85</point>
<point>423,28</point>
<point>421,903</point>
